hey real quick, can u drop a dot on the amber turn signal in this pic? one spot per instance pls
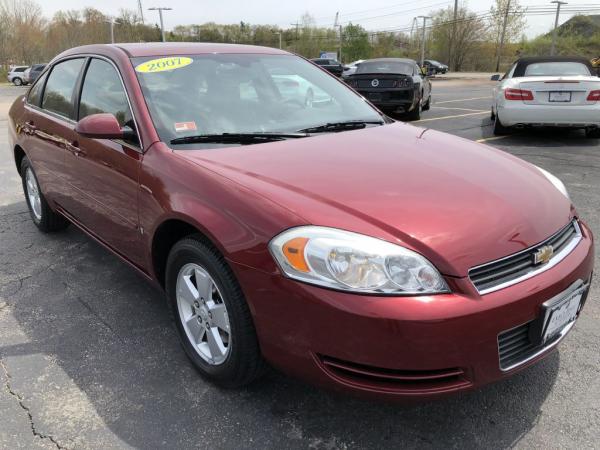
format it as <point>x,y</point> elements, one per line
<point>293,251</point>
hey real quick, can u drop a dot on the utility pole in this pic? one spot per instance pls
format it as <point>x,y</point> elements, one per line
<point>141,9</point>
<point>337,25</point>
<point>423,39</point>
<point>504,24</point>
<point>453,41</point>
<point>297,25</point>
<point>111,21</point>
<point>558,5</point>
<point>279,33</point>
<point>160,9</point>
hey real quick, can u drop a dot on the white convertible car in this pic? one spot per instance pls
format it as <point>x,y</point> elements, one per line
<point>548,91</point>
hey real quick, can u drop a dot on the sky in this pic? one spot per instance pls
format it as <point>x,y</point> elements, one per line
<point>374,15</point>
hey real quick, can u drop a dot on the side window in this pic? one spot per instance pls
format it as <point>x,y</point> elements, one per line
<point>103,92</point>
<point>35,93</point>
<point>58,95</point>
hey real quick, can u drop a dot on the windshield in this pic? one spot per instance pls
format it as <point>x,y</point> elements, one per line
<point>243,93</point>
<point>556,69</point>
<point>385,67</point>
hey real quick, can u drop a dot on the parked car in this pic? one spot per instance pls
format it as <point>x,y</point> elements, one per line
<point>547,91</point>
<point>435,67</point>
<point>330,65</point>
<point>16,75</point>
<point>355,252</point>
<point>34,72</point>
<point>295,88</point>
<point>394,85</point>
<point>350,69</point>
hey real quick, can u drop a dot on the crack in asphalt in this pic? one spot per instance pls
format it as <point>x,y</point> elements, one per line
<point>19,399</point>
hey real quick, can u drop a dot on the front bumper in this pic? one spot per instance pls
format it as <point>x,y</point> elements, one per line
<point>520,113</point>
<point>399,347</point>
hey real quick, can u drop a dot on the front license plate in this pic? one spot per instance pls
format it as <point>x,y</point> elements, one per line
<point>560,97</point>
<point>563,313</point>
<point>375,96</point>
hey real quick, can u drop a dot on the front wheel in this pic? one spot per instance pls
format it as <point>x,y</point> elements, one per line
<point>42,215</point>
<point>17,81</point>
<point>427,105</point>
<point>211,314</point>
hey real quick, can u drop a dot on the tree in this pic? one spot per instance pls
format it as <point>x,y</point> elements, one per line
<point>470,30</point>
<point>506,24</point>
<point>355,43</point>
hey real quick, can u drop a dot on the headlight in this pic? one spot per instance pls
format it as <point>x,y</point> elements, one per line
<point>555,181</point>
<point>353,262</point>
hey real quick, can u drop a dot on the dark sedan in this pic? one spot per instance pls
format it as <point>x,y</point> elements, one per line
<point>330,65</point>
<point>394,85</point>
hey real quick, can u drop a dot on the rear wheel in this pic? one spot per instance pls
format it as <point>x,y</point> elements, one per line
<point>499,129</point>
<point>415,114</point>
<point>211,314</point>
<point>17,81</point>
<point>42,215</point>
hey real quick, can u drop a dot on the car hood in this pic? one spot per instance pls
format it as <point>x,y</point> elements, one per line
<point>457,202</point>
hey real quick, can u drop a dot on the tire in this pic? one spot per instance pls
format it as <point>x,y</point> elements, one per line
<point>17,81</point>
<point>427,106</point>
<point>499,129</point>
<point>42,215</point>
<point>415,114</point>
<point>592,133</point>
<point>237,360</point>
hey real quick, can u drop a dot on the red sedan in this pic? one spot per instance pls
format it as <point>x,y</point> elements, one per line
<point>291,223</point>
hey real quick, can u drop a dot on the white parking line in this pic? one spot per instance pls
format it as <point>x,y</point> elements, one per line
<point>451,117</point>
<point>462,100</point>
<point>492,138</point>
<point>461,109</point>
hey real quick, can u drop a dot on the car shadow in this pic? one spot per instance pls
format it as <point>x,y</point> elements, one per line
<point>78,308</point>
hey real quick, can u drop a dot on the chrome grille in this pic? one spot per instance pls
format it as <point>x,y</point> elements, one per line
<point>507,271</point>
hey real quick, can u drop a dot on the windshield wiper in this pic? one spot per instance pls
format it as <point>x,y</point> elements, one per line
<point>237,138</point>
<point>341,126</point>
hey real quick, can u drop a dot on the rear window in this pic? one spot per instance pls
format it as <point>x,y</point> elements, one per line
<point>385,67</point>
<point>562,68</point>
<point>20,69</point>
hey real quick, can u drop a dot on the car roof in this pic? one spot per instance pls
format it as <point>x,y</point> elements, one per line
<point>134,50</point>
<point>404,60</point>
<point>522,63</point>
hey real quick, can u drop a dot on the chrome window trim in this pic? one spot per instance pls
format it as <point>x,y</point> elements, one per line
<point>557,258</point>
<point>71,121</point>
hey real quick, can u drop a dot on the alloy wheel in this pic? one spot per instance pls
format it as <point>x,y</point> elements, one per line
<point>33,194</point>
<point>203,314</point>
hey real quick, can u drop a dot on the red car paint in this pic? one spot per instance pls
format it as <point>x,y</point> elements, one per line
<point>458,203</point>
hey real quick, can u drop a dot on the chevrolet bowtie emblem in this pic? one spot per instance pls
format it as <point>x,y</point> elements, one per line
<point>543,254</point>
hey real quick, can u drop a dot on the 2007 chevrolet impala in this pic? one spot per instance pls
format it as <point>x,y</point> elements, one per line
<point>291,223</point>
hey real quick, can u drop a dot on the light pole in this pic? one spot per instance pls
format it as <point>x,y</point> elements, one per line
<point>423,39</point>
<point>558,4</point>
<point>279,33</point>
<point>160,9</point>
<point>111,21</point>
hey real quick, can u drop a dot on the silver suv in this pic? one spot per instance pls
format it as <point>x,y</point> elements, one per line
<point>16,75</point>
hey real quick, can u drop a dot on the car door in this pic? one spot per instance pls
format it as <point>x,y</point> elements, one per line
<point>103,173</point>
<point>49,126</point>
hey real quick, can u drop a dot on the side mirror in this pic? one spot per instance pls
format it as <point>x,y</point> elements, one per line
<point>100,126</point>
<point>495,77</point>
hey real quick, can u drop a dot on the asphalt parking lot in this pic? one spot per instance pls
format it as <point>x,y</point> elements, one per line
<point>89,359</point>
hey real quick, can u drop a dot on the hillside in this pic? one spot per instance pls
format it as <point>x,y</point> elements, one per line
<point>581,25</point>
